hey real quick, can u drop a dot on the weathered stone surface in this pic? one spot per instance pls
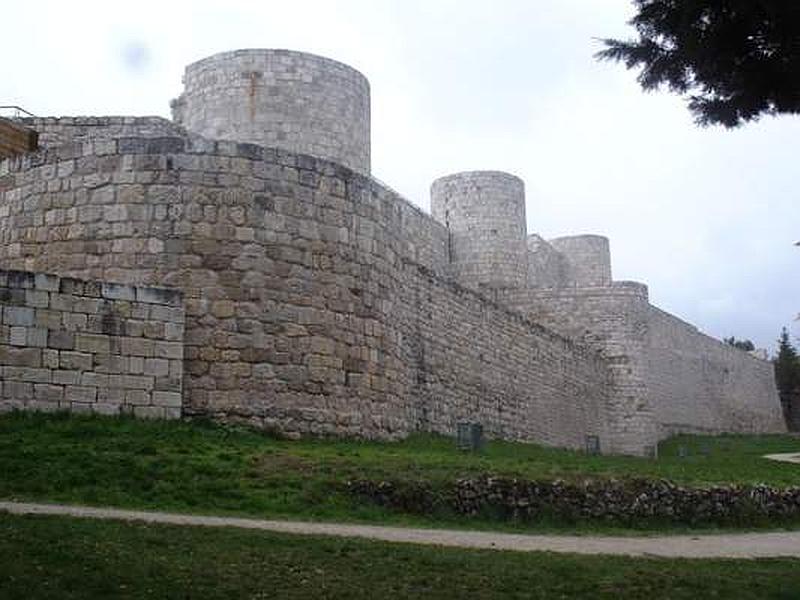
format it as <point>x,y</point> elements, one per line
<point>318,300</point>
<point>278,98</point>
<point>83,362</point>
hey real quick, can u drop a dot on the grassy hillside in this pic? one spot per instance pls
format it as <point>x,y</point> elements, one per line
<point>206,468</point>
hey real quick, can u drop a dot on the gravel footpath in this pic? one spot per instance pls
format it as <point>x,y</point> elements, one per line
<point>744,545</point>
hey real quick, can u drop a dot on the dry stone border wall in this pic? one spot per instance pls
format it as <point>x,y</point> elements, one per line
<point>85,346</point>
<point>630,502</point>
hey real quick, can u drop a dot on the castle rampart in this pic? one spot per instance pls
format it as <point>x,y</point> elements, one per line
<point>319,301</point>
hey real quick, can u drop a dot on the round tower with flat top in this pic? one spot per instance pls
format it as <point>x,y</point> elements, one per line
<point>296,101</point>
<point>484,212</point>
<point>588,258</point>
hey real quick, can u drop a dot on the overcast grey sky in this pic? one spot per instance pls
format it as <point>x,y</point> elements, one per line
<point>705,217</point>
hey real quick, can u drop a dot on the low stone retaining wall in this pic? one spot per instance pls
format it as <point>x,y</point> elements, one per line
<point>627,502</point>
<point>68,344</point>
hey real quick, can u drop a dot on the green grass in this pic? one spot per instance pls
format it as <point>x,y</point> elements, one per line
<point>55,557</point>
<point>206,468</point>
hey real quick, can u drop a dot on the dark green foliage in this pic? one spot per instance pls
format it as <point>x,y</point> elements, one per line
<point>735,59</point>
<point>787,373</point>
<point>745,345</point>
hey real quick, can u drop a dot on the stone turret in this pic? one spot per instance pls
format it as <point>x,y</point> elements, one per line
<point>588,259</point>
<point>278,98</point>
<point>484,212</point>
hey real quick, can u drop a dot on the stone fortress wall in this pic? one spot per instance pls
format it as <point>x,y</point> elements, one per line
<point>84,346</point>
<point>319,301</point>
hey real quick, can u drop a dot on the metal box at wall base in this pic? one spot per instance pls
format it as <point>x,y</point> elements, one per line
<point>469,436</point>
<point>592,445</point>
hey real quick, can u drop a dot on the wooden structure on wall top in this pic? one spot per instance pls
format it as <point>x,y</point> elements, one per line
<point>16,139</point>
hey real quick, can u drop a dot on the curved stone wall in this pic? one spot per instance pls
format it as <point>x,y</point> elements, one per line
<point>278,98</point>
<point>312,294</point>
<point>485,214</point>
<point>588,257</point>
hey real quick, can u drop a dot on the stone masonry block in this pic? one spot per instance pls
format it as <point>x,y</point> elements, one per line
<point>96,344</point>
<point>137,397</point>
<point>48,319</point>
<point>62,302</point>
<point>44,405</point>
<point>173,331</point>
<point>18,336</point>
<point>75,321</point>
<point>37,298</point>
<point>47,283</point>
<point>89,306</point>
<point>21,316</point>
<point>17,390</point>
<point>20,280</point>
<point>135,365</point>
<point>62,340</point>
<point>37,337</point>
<point>79,393</point>
<point>62,377</point>
<point>98,380</point>
<point>50,358</point>
<point>169,384</point>
<point>136,382</point>
<point>8,405</point>
<point>173,350</point>
<point>27,374</point>
<point>131,346</point>
<point>102,408</point>
<point>149,412</point>
<point>159,296</point>
<point>167,313</point>
<point>158,367</point>
<point>20,357</point>
<point>79,361</point>
<point>110,363</point>
<point>48,392</point>
<point>116,291</point>
<point>171,399</point>
<point>71,287</point>
<point>111,395</point>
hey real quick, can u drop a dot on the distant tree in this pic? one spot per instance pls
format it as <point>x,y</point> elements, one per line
<point>746,345</point>
<point>735,59</point>
<point>787,373</point>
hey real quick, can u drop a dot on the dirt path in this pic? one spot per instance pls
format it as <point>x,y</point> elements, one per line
<point>745,545</point>
<point>792,457</point>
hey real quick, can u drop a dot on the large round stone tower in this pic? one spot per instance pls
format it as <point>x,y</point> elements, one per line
<point>278,98</point>
<point>588,258</point>
<point>484,212</point>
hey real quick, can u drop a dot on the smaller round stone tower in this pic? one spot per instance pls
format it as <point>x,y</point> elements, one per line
<point>279,98</point>
<point>484,212</point>
<point>588,258</point>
